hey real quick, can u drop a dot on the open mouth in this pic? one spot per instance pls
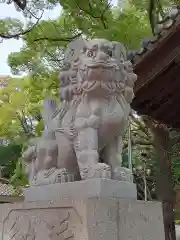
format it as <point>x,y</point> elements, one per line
<point>98,71</point>
<point>100,65</point>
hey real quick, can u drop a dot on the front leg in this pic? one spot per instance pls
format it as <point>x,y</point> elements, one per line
<point>86,147</point>
<point>112,155</point>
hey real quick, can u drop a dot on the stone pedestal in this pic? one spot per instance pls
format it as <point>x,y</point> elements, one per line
<point>96,187</point>
<point>81,217</point>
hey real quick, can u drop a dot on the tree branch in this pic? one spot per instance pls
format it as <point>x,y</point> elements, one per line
<point>175,140</point>
<point>17,35</point>
<point>141,143</point>
<point>151,10</point>
<point>67,39</point>
<point>90,13</point>
<point>22,123</point>
<point>22,120</point>
<point>138,133</point>
<point>141,188</point>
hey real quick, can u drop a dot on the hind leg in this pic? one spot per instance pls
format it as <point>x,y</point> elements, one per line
<point>67,161</point>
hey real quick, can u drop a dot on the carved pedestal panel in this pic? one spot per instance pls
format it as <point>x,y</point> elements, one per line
<point>82,219</point>
<point>41,221</point>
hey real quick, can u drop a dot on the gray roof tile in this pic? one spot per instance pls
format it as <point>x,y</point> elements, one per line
<point>147,44</point>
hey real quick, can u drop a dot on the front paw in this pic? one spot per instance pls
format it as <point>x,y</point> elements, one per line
<point>100,170</point>
<point>62,176</point>
<point>51,176</point>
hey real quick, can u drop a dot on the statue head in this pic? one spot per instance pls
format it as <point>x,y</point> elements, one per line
<point>98,65</point>
<point>99,62</point>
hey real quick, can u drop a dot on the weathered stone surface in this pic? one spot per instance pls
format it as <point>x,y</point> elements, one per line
<point>140,220</point>
<point>41,221</point>
<point>83,138</point>
<point>88,188</point>
<point>88,218</point>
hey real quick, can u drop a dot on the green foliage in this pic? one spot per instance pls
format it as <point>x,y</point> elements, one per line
<point>19,177</point>
<point>10,25</point>
<point>14,117</point>
<point>157,9</point>
<point>176,169</point>
<point>44,45</point>
<point>8,159</point>
<point>145,161</point>
<point>20,105</point>
<point>177,222</point>
<point>177,216</point>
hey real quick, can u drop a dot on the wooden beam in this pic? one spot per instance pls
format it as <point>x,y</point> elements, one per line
<point>157,59</point>
<point>153,89</point>
<point>169,104</point>
<point>172,114</point>
<point>160,93</point>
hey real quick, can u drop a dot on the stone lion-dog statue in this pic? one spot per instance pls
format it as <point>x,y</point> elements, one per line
<point>83,138</point>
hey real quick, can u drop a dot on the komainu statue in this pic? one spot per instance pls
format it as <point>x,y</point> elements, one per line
<point>83,138</point>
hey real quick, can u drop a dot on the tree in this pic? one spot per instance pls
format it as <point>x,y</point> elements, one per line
<point>32,11</point>
<point>11,28</point>
<point>156,10</point>
<point>15,120</point>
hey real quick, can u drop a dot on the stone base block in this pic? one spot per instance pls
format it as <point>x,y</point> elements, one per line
<point>96,187</point>
<point>85,219</point>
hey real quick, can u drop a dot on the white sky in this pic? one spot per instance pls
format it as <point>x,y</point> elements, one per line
<point>9,46</point>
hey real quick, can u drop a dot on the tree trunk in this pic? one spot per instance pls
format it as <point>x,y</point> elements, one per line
<point>164,185</point>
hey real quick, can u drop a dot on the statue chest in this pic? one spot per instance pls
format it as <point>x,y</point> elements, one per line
<point>106,113</point>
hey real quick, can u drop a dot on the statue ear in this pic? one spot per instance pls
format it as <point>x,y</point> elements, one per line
<point>120,52</point>
<point>48,110</point>
<point>74,49</point>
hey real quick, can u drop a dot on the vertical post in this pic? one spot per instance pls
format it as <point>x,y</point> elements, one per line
<point>145,181</point>
<point>129,145</point>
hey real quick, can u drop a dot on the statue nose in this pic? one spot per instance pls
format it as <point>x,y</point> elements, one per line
<point>102,56</point>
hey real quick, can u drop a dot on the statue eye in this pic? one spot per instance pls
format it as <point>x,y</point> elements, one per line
<point>90,53</point>
<point>110,53</point>
<point>62,78</point>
